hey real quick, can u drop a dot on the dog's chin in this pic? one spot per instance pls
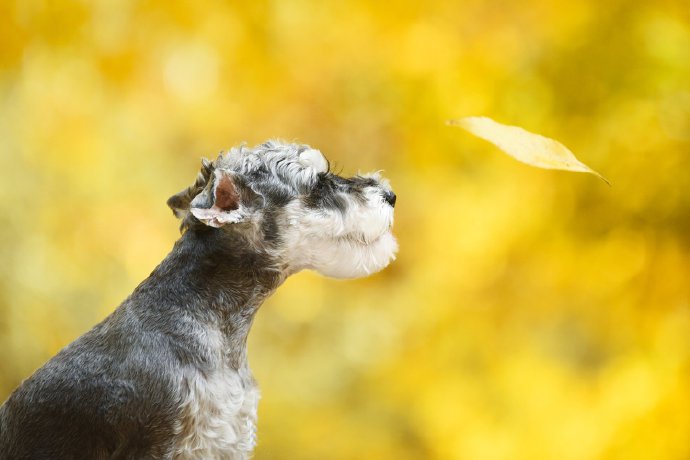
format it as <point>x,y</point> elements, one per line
<point>354,257</point>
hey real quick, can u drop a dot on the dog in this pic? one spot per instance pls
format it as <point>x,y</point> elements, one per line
<point>166,374</point>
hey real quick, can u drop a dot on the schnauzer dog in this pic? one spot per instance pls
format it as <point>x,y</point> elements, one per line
<point>166,374</point>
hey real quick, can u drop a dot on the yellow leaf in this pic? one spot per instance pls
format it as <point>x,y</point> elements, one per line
<point>532,149</point>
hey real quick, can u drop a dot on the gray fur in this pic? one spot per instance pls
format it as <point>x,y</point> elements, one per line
<point>118,390</point>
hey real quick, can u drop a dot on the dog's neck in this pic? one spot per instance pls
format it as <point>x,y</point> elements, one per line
<point>214,278</point>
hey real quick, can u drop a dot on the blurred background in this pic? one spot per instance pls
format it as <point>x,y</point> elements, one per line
<point>531,314</point>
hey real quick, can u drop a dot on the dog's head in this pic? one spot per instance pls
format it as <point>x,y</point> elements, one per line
<point>286,202</point>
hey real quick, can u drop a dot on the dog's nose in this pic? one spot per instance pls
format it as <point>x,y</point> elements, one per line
<point>390,198</point>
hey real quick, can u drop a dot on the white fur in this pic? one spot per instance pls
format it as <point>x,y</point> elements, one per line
<point>348,245</point>
<point>218,411</point>
<point>216,217</point>
<point>315,159</point>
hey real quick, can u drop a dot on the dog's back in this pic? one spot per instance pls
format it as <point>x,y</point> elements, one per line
<point>102,396</point>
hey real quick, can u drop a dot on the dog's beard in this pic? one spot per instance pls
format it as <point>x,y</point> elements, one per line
<point>351,257</point>
<point>352,244</point>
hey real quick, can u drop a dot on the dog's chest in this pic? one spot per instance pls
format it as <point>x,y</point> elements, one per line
<point>218,416</point>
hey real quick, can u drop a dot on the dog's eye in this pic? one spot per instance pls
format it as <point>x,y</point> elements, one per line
<point>335,182</point>
<point>324,179</point>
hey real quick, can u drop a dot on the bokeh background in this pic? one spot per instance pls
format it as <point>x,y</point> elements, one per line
<point>531,314</point>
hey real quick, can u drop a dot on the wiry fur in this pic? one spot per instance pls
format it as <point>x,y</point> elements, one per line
<point>166,374</point>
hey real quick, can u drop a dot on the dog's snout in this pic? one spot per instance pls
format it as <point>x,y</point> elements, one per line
<point>390,198</point>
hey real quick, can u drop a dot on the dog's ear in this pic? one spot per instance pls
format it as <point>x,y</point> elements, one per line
<point>225,200</point>
<point>179,203</point>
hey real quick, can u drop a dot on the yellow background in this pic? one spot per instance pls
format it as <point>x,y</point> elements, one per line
<point>531,314</point>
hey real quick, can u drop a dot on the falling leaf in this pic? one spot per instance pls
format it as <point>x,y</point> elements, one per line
<point>532,149</point>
